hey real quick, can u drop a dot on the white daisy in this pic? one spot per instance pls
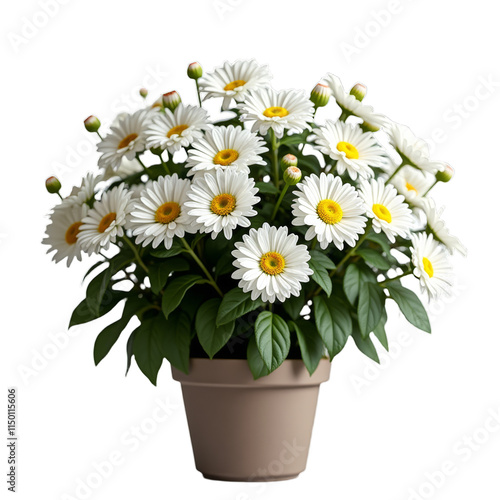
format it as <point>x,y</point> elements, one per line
<point>386,208</point>
<point>62,232</point>
<point>270,264</point>
<point>286,109</point>
<point>226,147</point>
<point>222,201</point>
<point>105,220</point>
<point>126,139</point>
<point>432,266</point>
<point>412,184</point>
<point>412,149</point>
<point>348,103</point>
<point>234,80</point>
<point>438,227</point>
<point>160,214</point>
<point>354,150</point>
<point>332,210</point>
<point>178,129</point>
<point>87,190</point>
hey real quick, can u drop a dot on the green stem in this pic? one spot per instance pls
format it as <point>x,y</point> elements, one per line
<point>344,115</point>
<point>136,253</point>
<point>164,165</point>
<point>275,147</point>
<point>59,194</point>
<point>427,192</point>
<point>395,172</point>
<point>278,203</point>
<point>352,251</point>
<point>100,136</point>
<point>396,278</point>
<point>142,164</point>
<point>314,243</point>
<point>202,266</point>
<point>198,92</point>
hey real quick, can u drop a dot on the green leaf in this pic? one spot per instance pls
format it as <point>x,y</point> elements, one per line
<point>293,139</point>
<point>311,345</point>
<point>322,259</point>
<point>355,276</point>
<point>365,345</point>
<point>374,258</point>
<point>410,306</point>
<point>83,314</point>
<point>94,266</point>
<point>212,338</point>
<point>294,305</point>
<point>163,253</point>
<point>130,348</point>
<point>97,288</point>
<point>255,361</point>
<point>107,338</point>
<point>224,265</point>
<point>381,240</point>
<point>235,304</point>
<point>379,331</point>
<point>147,349</point>
<point>266,188</point>
<point>175,291</point>
<point>370,307</point>
<point>159,272</point>
<point>320,276</point>
<point>273,339</point>
<point>175,339</point>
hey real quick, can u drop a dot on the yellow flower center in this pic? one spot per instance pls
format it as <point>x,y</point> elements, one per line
<point>226,157</point>
<point>223,204</point>
<point>177,130</point>
<point>234,84</point>
<point>127,140</point>
<point>382,213</point>
<point>428,267</point>
<point>410,187</point>
<point>167,212</point>
<point>272,263</point>
<point>275,111</point>
<point>350,151</point>
<point>106,222</point>
<point>72,233</point>
<point>329,211</point>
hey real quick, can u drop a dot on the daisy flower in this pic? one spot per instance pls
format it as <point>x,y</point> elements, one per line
<point>432,266</point>
<point>348,103</point>
<point>234,81</point>
<point>412,184</point>
<point>160,214</point>
<point>126,139</point>
<point>286,109</point>
<point>386,208</point>
<point>226,147</point>
<point>222,201</point>
<point>105,220</point>
<point>178,129</point>
<point>332,210</point>
<point>438,227</point>
<point>62,232</point>
<point>270,264</point>
<point>412,149</point>
<point>86,192</point>
<point>354,150</point>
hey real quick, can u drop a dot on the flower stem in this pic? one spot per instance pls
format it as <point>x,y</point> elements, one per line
<point>427,192</point>
<point>198,92</point>
<point>395,172</point>
<point>136,253</point>
<point>396,278</point>
<point>164,165</point>
<point>142,164</point>
<point>275,147</point>
<point>278,203</point>
<point>352,251</point>
<point>100,136</point>
<point>202,266</point>
<point>59,194</point>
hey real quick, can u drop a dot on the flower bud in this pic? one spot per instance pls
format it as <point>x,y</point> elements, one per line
<point>195,71</point>
<point>320,95</point>
<point>289,161</point>
<point>143,92</point>
<point>358,91</point>
<point>53,185</point>
<point>171,100</point>
<point>292,176</point>
<point>446,174</point>
<point>92,123</point>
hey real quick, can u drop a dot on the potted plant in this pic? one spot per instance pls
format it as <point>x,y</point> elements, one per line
<point>250,247</point>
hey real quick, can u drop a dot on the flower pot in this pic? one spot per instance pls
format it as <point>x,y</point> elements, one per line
<point>250,430</point>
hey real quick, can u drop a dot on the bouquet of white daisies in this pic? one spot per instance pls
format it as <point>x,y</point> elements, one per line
<point>262,233</point>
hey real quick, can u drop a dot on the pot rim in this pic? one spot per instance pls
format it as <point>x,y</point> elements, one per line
<point>236,373</point>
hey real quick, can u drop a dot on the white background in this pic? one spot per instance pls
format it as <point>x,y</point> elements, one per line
<point>379,432</point>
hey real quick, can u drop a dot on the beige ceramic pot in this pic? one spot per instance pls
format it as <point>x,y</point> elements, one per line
<point>250,430</point>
